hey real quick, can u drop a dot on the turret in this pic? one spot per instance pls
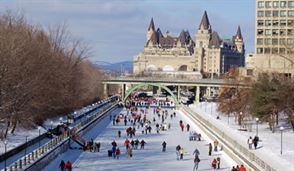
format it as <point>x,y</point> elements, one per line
<point>238,40</point>
<point>151,29</point>
<point>203,34</point>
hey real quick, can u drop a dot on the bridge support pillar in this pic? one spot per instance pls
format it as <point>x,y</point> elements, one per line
<point>105,90</point>
<point>123,90</point>
<point>159,90</point>
<point>197,94</point>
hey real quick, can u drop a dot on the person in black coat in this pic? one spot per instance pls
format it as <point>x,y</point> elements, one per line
<point>163,146</point>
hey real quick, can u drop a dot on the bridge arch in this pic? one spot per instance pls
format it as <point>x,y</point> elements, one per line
<point>128,93</point>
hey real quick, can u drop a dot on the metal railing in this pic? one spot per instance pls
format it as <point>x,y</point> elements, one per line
<point>27,160</point>
<point>242,152</point>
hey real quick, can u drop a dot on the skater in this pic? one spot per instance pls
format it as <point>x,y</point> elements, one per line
<point>119,134</point>
<point>181,151</point>
<point>209,149</point>
<point>199,137</point>
<point>215,143</point>
<point>182,126</point>
<point>113,151</point>
<point>136,144</point>
<point>127,143</point>
<point>250,142</point>
<point>117,153</point>
<point>129,152</point>
<point>68,166</point>
<point>113,143</point>
<point>97,144</point>
<point>188,127</point>
<point>255,142</point>
<point>196,153</point>
<point>163,146</point>
<point>196,163</point>
<point>113,121</point>
<point>218,162</point>
<point>142,144</point>
<point>234,169</point>
<point>242,168</point>
<point>126,121</point>
<point>62,165</point>
<point>213,163</point>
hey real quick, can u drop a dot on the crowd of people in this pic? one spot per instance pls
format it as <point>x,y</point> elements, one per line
<point>135,120</point>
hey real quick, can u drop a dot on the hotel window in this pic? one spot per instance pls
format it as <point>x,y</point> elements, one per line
<point>260,22</point>
<point>290,3</point>
<point>276,4</point>
<point>283,4</point>
<point>282,32</point>
<point>275,50</point>
<point>268,32</point>
<point>259,50</point>
<point>275,13</point>
<point>268,4</point>
<point>259,41</point>
<point>290,22</point>
<point>268,13</point>
<point>267,41</point>
<point>290,41</point>
<point>282,50</point>
<point>260,13</point>
<point>275,32</point>
<point>275,22</point>
<point>260,32</point>
<point>275,41</point>
<point>291,13</point>
<point>268,22</point>
<point>282,41</point>
<point>260,4</point>
<point>267,50</point>
<point>283,22</point>
<point>290,32</point>
<point>283,13</point>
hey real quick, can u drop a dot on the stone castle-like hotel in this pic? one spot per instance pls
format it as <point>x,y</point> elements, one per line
<point>206,56</point>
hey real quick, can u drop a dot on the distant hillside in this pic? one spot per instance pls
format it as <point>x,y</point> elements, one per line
<point>125,66</point>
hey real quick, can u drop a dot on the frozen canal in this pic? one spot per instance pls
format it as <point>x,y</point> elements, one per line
<point>151,158</point>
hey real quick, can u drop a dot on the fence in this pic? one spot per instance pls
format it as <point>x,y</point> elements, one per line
<point>30,160</point>
<point>230,146</point>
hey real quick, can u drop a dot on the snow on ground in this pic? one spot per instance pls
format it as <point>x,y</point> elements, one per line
<point>151,158</point>
<point>271,142</point>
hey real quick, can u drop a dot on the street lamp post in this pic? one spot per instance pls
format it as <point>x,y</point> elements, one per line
<point>26,145</point>
<point>257,120</point>
<point>51,125</point>
<point>39,128</point>
<point>281,129</point>
<point>240,119</point>
<point>5,150</point>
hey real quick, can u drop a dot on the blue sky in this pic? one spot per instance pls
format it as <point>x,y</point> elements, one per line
<point>115,30</point>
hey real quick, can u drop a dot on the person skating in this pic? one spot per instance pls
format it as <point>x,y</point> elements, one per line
<point>234,169</point>
<point>119,133</point>
<point>213,163</point>
<point>137,143</point>
<point>178,152</point>
<point>196,163</point>
<point>132,143</point>
<point>242,168</point>
<point>129,152</point>
<point>142,143</point>
<point>127,143</point>
<point>182,126</point>
<point>163,146</point>
<point>196,152</point>
<point>62,165</point>
<point>68,166</point>
<point>215,143</point>
<point>250,142</point>
<point>218,162</point>
<point>181,151</point>
<point>97,144</point>
<point>209,149</point>
<point>188,127</point>
<point>113,143</point>
<point>255,142</point>
<point>113,151</point>
<point>117,153</point>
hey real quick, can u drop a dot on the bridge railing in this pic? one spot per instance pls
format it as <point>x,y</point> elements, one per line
<point>27,160</point>
<point>232,145</point>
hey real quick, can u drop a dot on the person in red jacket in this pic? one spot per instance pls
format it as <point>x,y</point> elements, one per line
<point>68,166</point>
<point>242,168</point>
<point>213,163</point>
<point>117,153</point>
<point>127,143</point>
